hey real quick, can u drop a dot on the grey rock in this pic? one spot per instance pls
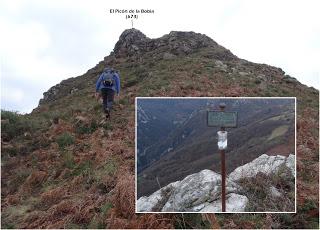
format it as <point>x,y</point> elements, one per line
<point>243,73</point>
<point>274,192</point>
<point>219,64</point>
<point>290,80</point>
<point>201,192</point>
<point>73,90</point>
<point>134,47</point>
<point>261,77</point>
<point>194,190</point>
<point>168,56</point>
<point>188,194</point>
<point>148,204</point>
<point>290,163</point>
<point>234,203</point>
<point>264,164</point>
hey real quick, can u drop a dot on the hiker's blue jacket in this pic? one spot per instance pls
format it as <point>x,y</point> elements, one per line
<point>115,87</point>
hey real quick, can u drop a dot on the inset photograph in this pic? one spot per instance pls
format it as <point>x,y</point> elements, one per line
<point>211,155</point>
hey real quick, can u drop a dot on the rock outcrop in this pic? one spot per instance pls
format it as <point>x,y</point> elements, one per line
<point>132,42</point>
<point>234,203</point>
<point>195,190</point>
<point>64,88</point>
<point>201,192</point>
<point>264,164</point>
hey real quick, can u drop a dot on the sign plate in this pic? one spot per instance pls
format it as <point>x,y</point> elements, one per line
<point>222,119</point>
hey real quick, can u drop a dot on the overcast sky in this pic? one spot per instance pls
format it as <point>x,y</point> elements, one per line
<point>44,42</point>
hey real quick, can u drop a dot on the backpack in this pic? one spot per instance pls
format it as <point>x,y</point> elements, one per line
<point>108,80</point>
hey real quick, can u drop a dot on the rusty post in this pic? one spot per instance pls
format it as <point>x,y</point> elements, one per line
<point>223,169</point>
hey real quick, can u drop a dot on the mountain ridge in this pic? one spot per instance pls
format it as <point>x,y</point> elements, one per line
<point>136,37</point>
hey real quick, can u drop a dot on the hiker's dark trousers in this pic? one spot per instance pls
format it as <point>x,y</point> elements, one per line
<point>107,97</point>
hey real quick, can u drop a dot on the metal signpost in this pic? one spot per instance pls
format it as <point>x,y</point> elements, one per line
<point>223,120</point>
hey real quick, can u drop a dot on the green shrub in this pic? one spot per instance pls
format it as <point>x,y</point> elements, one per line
<point>108,126</point>
<point>124,101</point>
<point>16,124</point>
<point>83,169</point>
<point>65,140</point>
<point>96,223</point>
<point>105,208</point>
<point>82,128</point>
<point>68,160</point>
<point>9,226</point>
<point>257,81</point>
<point>110,166</point>
<point>190,221</point>
<point>18,178</point>
<point>97,107</point>
<point>13,151</point>
<point>257,189</point>
<point>308,205</point>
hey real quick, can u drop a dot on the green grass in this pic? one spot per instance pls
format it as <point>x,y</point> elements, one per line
<point>12,214</point>
<point>124,101</point>
<point>190,221</point>
<point>82,128</point>
<point>258,192</point>
<point>16,124</point>
<point>108,126</point>
<point>308,205</point>
<point>73,226</point>
<point>68,160</point>
<point>238,220</point>
<point>64,140</point>
<point>105,208</point>
<point>108,169</point>
<point>85,168</point>
<point>111,167</point>
<point>12,151</point>
<point>96,224</point>
<point>19,177</point>
<point>130,143</point>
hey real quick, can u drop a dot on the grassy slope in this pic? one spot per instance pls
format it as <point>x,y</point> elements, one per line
<point>89,182</point>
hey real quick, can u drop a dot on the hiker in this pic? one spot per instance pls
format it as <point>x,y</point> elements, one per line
<point>108,84</point>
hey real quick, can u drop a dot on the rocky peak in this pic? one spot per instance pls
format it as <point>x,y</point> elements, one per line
<point>132,42</point>
<point>132,34</point>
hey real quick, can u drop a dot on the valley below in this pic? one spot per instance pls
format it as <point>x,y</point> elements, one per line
<point>264,126</point>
